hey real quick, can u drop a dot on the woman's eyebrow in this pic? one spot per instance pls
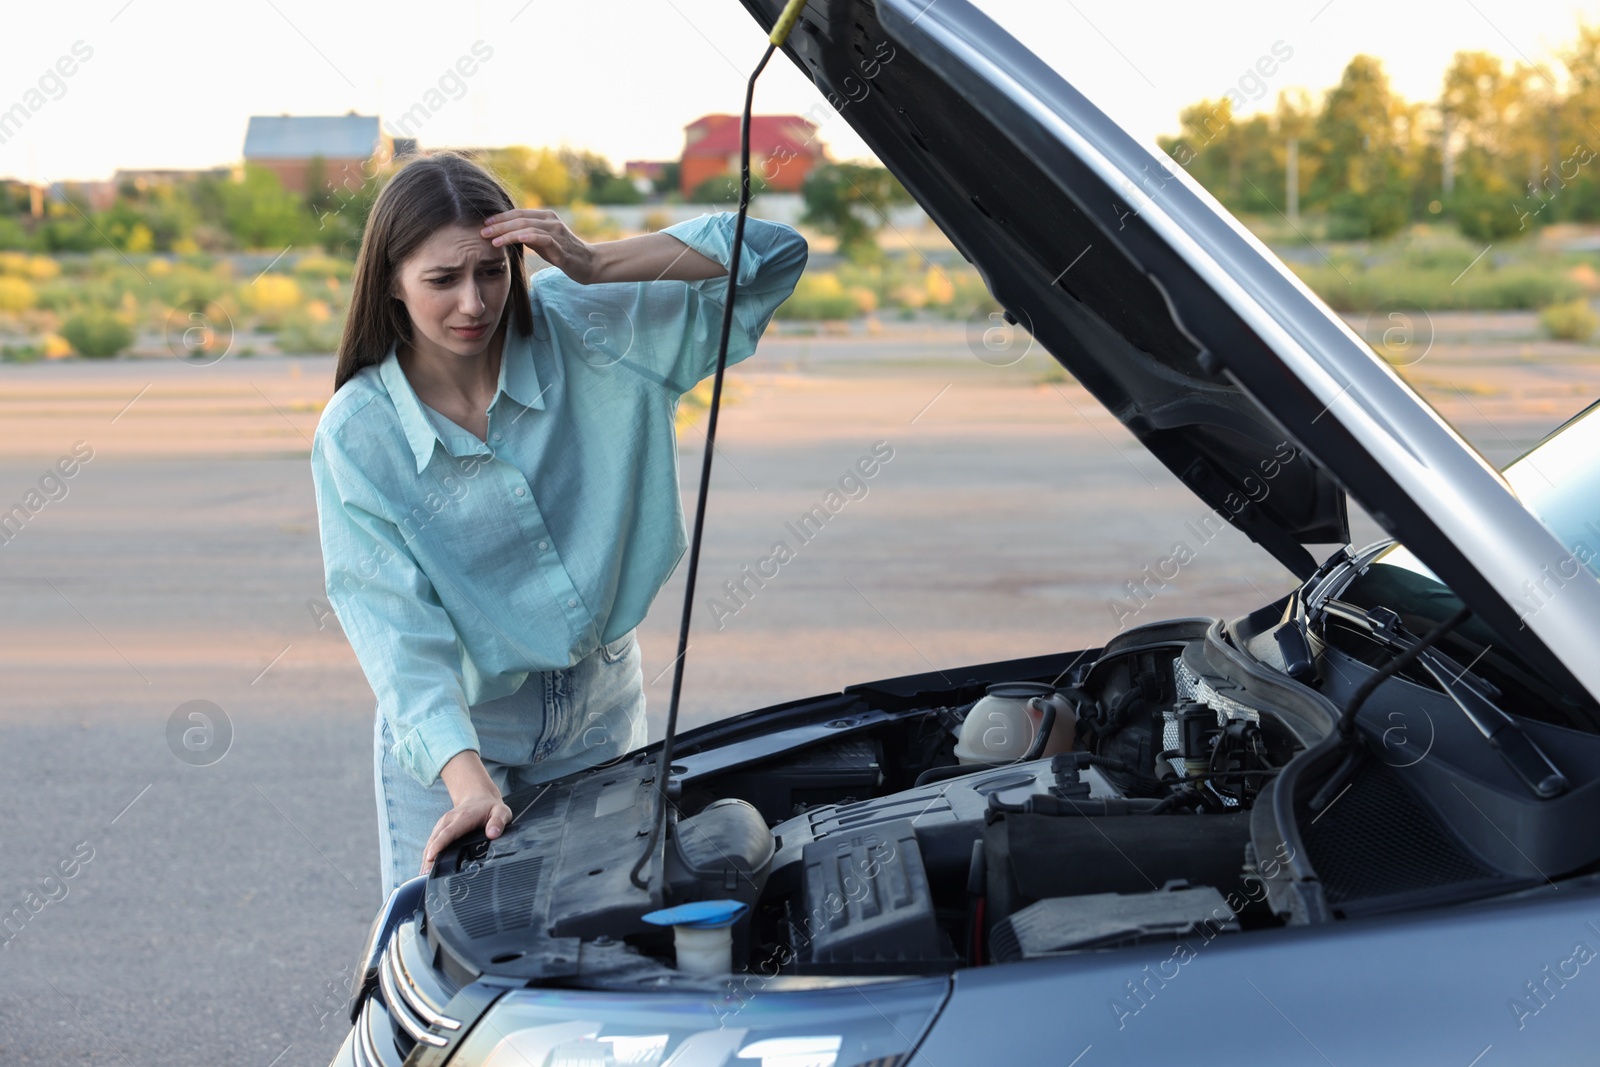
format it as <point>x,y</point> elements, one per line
<point>452,267</point>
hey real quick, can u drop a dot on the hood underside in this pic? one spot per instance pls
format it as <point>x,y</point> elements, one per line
<point>1222,363</point>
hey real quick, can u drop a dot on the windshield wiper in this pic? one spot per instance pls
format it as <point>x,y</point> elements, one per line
<point>1471,694</point>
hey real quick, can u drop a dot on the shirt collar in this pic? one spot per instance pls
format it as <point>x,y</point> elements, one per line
<point>518,380</point>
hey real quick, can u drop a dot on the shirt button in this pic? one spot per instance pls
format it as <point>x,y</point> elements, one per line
<point>521,491</point>
<point>543,545</point>
<point>572,603</point>
<point>497,435</point>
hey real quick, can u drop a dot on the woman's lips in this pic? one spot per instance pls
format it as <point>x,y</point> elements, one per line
<point>473,333</point>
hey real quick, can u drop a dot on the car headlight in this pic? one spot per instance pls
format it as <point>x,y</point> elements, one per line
<point>871,1024</point>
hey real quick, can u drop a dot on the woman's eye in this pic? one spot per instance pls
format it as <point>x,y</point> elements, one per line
<point>449,279</point>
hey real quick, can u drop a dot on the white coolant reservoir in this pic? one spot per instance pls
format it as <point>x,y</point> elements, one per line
<point>1002,725</point>
<point>702,933</point>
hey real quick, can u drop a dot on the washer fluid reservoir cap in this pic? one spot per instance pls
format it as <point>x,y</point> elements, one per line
<point>701,914</point>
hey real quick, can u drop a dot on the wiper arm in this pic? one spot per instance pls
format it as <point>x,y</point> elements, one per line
<point>1501,731</point>
<point>1498,727</point>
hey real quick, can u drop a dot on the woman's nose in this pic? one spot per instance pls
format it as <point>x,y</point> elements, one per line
<point>472,302</point>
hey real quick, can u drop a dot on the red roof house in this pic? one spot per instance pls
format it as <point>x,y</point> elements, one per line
<point>783,149</point>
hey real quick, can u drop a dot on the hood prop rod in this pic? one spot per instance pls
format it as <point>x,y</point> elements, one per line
<point>658,813</point>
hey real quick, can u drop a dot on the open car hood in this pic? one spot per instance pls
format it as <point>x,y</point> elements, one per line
<point>1187,328</point>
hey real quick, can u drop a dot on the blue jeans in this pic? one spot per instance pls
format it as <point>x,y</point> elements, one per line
<point>557,723</point>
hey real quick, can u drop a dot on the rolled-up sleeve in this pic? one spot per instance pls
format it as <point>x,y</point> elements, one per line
<point>403,638</point>
<point>667,330</point>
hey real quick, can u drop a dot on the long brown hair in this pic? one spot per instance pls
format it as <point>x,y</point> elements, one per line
<point>424,195</point>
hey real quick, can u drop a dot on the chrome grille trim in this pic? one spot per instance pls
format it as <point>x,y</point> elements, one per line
<point>365,1049</point>
<point>411,993</point>
<point>400,1009</point>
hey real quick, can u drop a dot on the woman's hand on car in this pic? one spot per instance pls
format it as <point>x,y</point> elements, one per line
<point>540,229</point>
<point>477,806</point>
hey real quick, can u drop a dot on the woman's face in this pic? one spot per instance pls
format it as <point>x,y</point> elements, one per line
<point>455,286</point>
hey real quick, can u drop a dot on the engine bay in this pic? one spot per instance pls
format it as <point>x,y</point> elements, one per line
<point>870,833</point>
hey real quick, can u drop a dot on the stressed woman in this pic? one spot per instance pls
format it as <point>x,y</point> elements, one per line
<point>497,485</point>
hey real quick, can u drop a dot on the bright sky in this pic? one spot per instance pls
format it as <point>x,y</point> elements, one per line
<point>170,83</point>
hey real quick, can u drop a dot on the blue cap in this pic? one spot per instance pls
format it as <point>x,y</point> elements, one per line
<point>701,915</point>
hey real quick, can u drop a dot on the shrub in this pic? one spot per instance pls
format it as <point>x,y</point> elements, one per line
<point>818,296</point>
<point>1574,320</point>
<point>1485,287</point>
<point>1376,213</point>
<point>16,295</point>
<point>271,298</point>
<point>23,353</point>
<point>313,330</point>
<point>1486,211</point>
<point>95,333</point>
<point>12,235</point>
<point>941,291</point>
<point>319,266</point>
<point>33,268</point>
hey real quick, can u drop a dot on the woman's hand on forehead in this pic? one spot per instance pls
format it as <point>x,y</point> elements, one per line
<point>543,231</point>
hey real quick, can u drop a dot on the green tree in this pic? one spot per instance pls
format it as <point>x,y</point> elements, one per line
<point>724,189</point>
<point>67,226</point>
<point>1483,109</point>
<point>671,175</point>
<point>848,200</point>
<point>537,177</point>
<point>150,219</point>
<point>1579,126</point>
<point>13,236</point>
<point>259,213</point>
<point>617,190</point>
<point>1362,138</point>
<point>1201,145</point>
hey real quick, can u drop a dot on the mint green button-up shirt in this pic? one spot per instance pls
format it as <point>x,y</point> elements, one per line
<point>456,566</point>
